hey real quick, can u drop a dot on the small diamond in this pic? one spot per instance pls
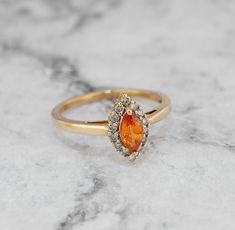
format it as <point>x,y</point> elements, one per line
<point>126,100</point>
<point>145,122</point>
<point>133,105</point>
<point>114,117</point>
<point>140,112</point>
<point>119,109</point>
<point>125,152</point>
<point>145,129</point>
<point>118,145</point>
<point>113,126</point>
<point>114,137</point>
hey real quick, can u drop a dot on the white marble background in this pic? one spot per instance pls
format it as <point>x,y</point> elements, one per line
<point>51,50</point>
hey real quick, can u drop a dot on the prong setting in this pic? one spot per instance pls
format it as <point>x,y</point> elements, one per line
<point>126,105</point>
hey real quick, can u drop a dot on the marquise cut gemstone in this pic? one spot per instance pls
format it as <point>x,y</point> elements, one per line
<point>131,132</point>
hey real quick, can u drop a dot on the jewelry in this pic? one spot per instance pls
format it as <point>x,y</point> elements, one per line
<point>127,125</point>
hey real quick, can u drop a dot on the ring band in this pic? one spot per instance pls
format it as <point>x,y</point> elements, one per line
<point>127,125</point>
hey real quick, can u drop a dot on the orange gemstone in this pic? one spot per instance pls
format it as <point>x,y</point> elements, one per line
<point>131,132</point>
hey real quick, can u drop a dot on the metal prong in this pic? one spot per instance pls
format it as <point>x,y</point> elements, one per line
<point>129,111</point>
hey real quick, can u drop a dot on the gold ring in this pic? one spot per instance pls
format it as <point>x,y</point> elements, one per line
<point>127,125</point>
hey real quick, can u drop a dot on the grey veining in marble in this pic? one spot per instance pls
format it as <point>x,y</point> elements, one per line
<point>52,50</point>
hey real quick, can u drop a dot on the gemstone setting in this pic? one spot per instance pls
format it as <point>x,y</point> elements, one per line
<point>131,132</point>
<point>128,127</point>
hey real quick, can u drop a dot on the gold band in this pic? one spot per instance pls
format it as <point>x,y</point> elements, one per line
<point>101,127</point>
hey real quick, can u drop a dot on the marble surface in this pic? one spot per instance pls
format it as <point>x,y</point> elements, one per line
<point>51,50</point>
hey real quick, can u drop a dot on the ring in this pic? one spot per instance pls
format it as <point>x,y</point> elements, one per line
<point>127,125</point>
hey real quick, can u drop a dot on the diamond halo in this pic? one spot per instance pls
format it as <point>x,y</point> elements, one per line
<point>125,105</point>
